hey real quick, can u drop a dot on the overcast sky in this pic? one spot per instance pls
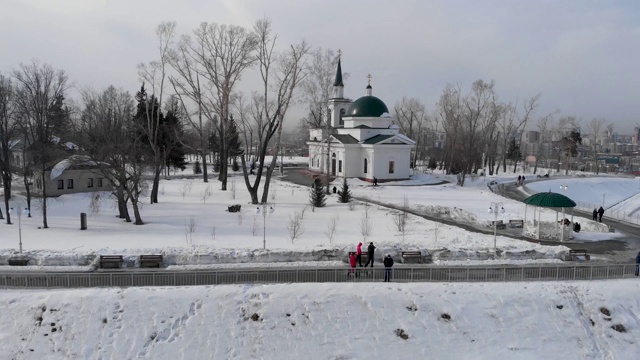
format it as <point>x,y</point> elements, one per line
<point>582,56</point>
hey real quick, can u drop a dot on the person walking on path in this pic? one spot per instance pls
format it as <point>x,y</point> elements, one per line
<point>352,263</point>
<point>359,254</point>
<point>388,263</point>
<point>375,181</point>
<point>519,180</point>
<point>600,213</point>
<point>370,251</point>
<point>595,214</point>
<point>638,264</point>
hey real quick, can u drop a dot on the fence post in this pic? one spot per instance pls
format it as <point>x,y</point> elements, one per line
<point>540,273</point>
<point>504,274</point>
<point>591,273</point>
<point>131,280</point>
<point>574,272</point>
<point>316,274</point>
<point>110,280</point>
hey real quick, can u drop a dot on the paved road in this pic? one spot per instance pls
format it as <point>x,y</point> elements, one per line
<point>502,273</point>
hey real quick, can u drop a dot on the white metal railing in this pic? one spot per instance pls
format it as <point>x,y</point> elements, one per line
<point>579,271</point>
<point>619,215</point>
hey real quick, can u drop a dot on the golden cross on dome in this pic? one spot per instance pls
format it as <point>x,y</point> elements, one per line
<point>369,78</point>
<point>339,53</point>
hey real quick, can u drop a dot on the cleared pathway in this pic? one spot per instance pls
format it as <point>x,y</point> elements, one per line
<point>124,278</point>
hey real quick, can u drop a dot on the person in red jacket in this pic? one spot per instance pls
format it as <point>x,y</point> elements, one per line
<point>359,254</point>
<point>352,262</point>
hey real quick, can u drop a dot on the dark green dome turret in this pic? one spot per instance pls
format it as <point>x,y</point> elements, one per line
<point>367,106</point>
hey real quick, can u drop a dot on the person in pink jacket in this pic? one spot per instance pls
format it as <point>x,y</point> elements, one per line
<point>352,262</point>
<point>359,254</point>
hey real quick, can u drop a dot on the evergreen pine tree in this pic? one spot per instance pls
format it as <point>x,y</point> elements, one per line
<point>170,137</point>
<point>196,167</point>
<point>344,194</point>
<point>317,194</point>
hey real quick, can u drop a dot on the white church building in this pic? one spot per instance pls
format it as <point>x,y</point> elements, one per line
<point>364,142</point>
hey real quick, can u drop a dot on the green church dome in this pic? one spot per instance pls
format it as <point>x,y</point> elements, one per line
<point>367,106</point>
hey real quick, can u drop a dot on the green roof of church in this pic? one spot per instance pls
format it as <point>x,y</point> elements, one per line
<point>376,139</point>
<point>367,106</point>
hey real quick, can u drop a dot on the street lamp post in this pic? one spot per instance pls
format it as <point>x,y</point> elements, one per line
<point>495,208</point>
<point>264,222</point>
<point>19,213</point>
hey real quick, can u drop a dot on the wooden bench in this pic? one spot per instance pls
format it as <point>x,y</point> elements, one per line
<point>234,208</point>
<point>578,255</point>
<point>498,224</point>
<point>111,261</point>
<point>18,261</point>
<point>411,255</point>
<point>516,223</point>
<point>150,261</point>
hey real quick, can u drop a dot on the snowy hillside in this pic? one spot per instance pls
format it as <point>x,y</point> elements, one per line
<point>572,320</point>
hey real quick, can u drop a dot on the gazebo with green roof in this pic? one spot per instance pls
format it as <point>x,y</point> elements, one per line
<point>548,200</point>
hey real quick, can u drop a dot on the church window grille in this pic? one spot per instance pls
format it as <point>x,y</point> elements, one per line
<point>391,167</point>
<point>365,166</point>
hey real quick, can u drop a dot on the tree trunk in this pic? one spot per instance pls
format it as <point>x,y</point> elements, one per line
<point>156,184</point>
<point>123,211</point>
<point>253,190</point>
<point>6,184</point>
<point>44,200</point>
<point>136,212</point>
<point>27,188</point>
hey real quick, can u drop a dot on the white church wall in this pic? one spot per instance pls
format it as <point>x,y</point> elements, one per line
<point>370,122</point>
<point>315,134</point>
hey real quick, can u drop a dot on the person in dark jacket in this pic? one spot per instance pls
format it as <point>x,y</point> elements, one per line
<point>388,263</point>
<point>370,251</point>
<point>600,213</point>
<point>638,264</point>
<point>595,215</point>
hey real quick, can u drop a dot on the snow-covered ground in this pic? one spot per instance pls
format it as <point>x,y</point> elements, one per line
<point>191,228</point>
<point>558,320</point>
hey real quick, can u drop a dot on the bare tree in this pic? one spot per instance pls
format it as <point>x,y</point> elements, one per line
<point>104,133</point>
<point>155,73</point>
<point>543,130</point>
<point>316,88</point>
<point>594,127</point>
<point>187,86</point>
<point>40,99</point>
<point>220,55</point>
<point>8,134</point>
<point>295,226</point>
<point>280,73</point>
<point>332,226</point>
<point>411,118</point>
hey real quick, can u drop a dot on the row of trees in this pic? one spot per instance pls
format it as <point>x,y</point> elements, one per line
<point>481,132</point>
<point>189,92</point>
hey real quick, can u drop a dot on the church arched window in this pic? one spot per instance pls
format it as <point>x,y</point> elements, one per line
<point>342,112</point>
<point>365,166</point>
